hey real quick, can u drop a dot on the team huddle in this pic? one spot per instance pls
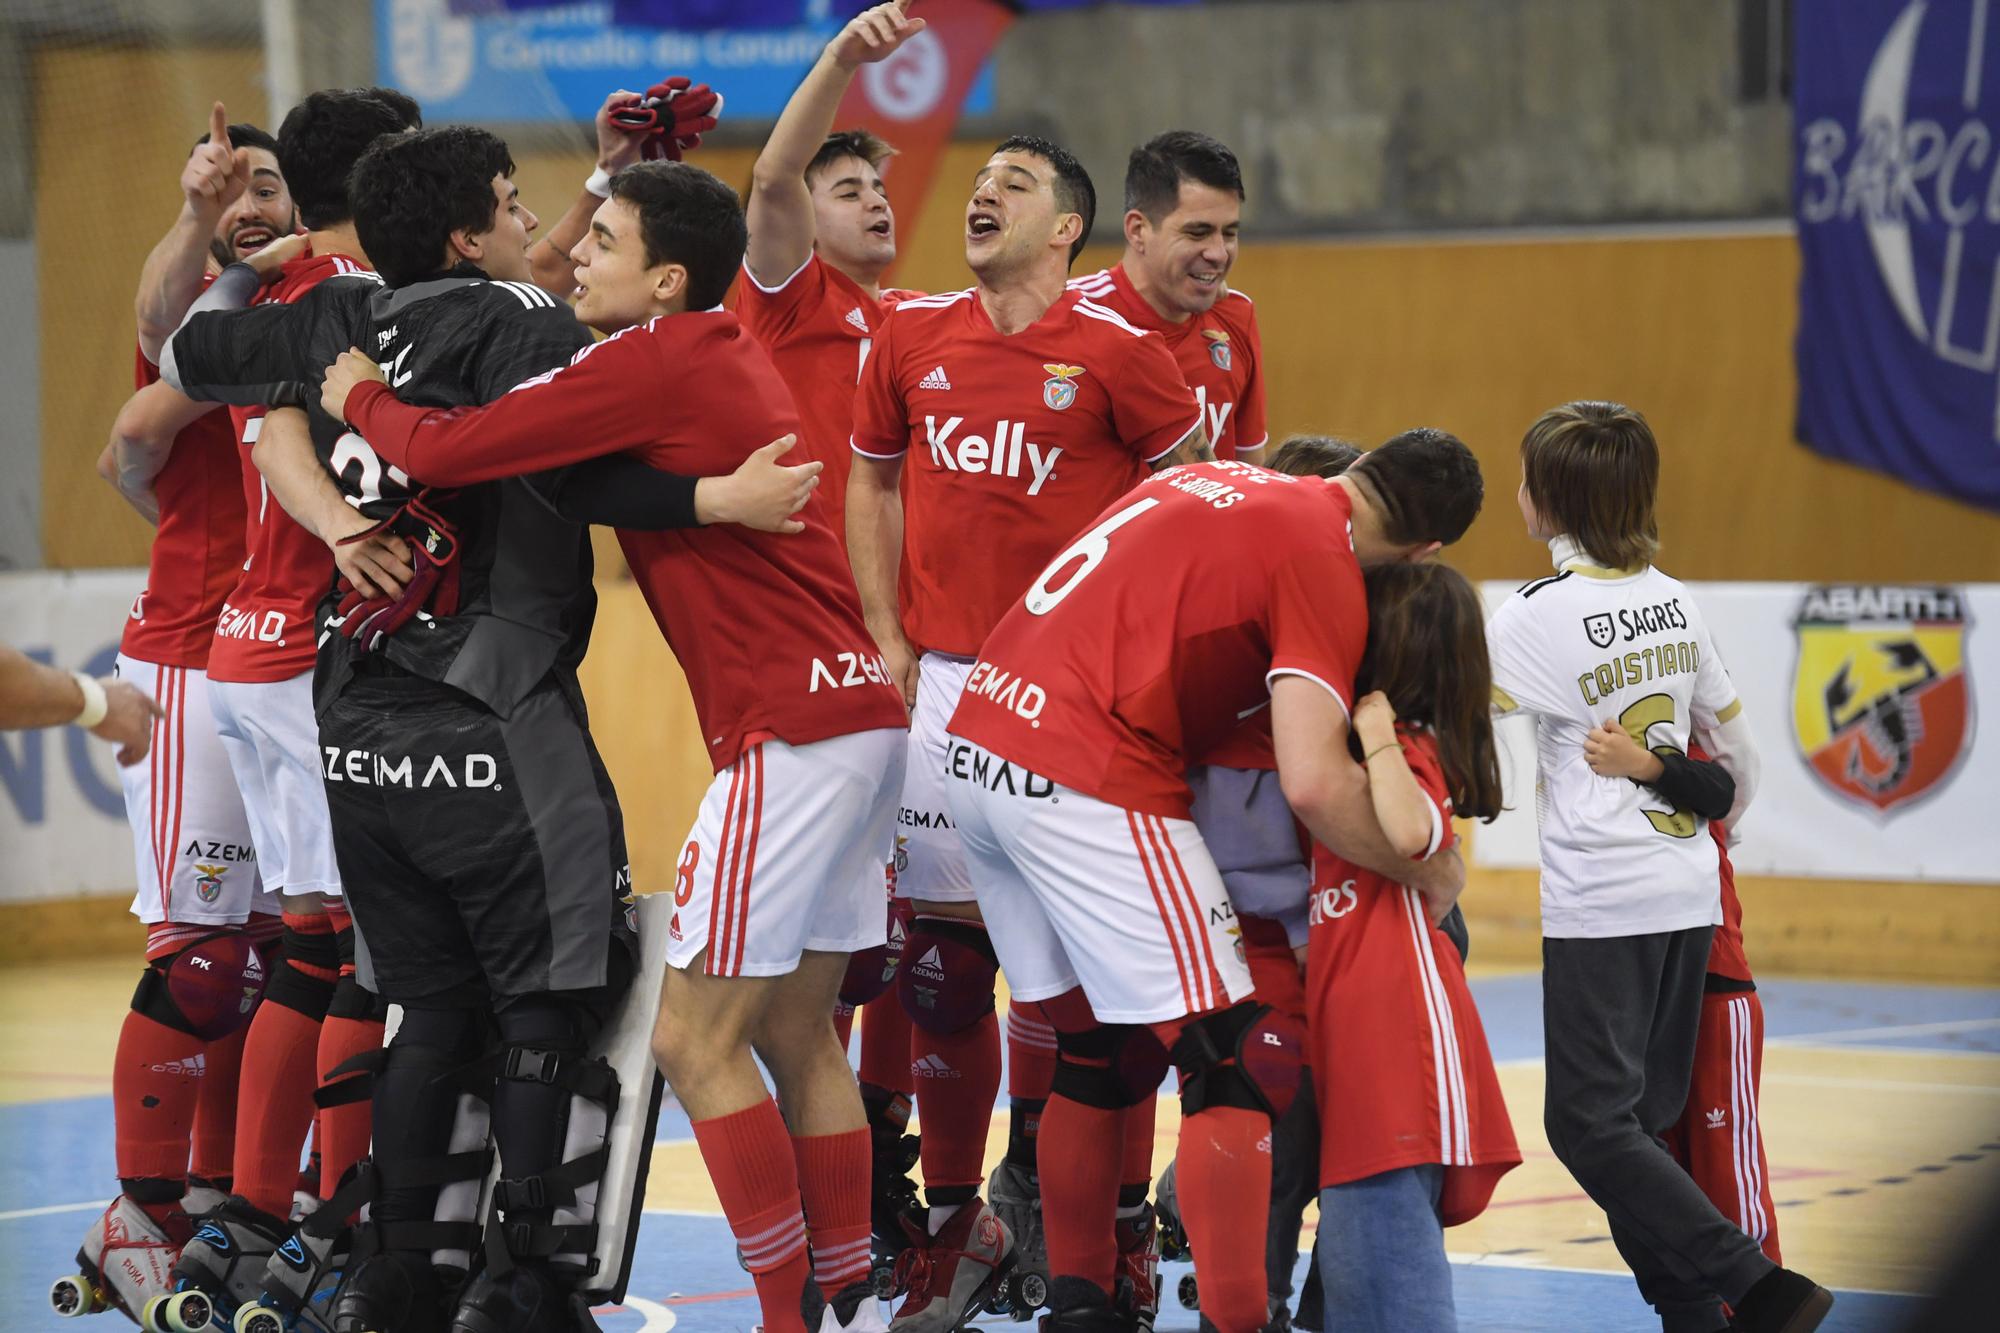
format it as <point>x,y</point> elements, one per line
<point>1017,649</point>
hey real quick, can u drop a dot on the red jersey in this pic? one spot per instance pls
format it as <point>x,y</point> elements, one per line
<point>818,325</point>
<point>1015,442</point>
<point>1725,954</point>
<point>198,547</point>
<point>767,626</point>
<point>266,631</point>
<point>1219,352</point>
<point>1143,643</point>
<point>1394,1039</point>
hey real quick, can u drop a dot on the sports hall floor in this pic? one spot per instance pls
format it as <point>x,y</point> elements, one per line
<point>1881,1112</point>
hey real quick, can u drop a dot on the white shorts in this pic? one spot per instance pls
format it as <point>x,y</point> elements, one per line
<point>191,841</point>
<point>1076,891</point>
<point>930,859</point>
<point>272,738</point>
<point>787,854</point>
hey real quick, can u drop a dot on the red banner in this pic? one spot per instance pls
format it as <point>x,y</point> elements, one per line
<point>913,98</point>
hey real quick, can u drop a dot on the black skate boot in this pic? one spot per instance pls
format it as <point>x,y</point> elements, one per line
<point>892,1194</point>
<point>1016,1196</point>
<point>394,1290</point>
<point>527,1299</point>
<point>1077,1305</point>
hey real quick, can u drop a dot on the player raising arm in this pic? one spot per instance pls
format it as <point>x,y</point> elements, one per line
<point>1020,409</point>
<point>805,730</point>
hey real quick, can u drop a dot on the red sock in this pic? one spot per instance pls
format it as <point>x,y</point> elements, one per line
<point>886,1045</point>
<point>1138,1167</point>
<point>749,1157</point>
<point>342,1131</point>
<point>833,1185</point>
<point>955,1111</point>
<point>1031,1052</point>
<point>1222,1178</point>
<point>155,1085</point>
<point>843,1024</point>
<point>1078,1155</point>
<point>215,1114</point>
<point>281,1067</point>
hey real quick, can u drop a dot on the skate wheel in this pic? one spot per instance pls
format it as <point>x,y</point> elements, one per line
<point>1030,1292</point>
<point>258,1319</point>
<point>74,1296</point>
<point>882,1277</point>
<point>187,1312</point>
<point>153,1314</point>
<point>1189,1293</point>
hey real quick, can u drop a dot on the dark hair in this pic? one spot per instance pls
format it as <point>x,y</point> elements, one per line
<point>410,192</point>
<point>1073,190</point>
<point>690,218</point>
<point>1592,470</point>
<point>1154,172</point>
<point>870,147</point>
<point>397,101</point>
<point>1314,456</point>
<point>319,143</point>
<point>1427,652</point>
<point>245,135</point>
<point>1427,484</point>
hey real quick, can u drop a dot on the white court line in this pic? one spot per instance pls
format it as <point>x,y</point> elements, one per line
<point>96,1206</point>
<point>659,1319</point>
<point>1900,1030</point>
<point>1535,1264</point>
<point>1881,1084</point>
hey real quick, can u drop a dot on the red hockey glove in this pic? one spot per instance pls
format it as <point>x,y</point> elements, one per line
<point>369,621</point>
<point>673,115</point>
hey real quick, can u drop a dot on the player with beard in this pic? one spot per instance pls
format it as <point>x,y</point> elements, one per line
<point>821,234</point>
<point>467,671</point>
<point>1021,406</point>
<point>807,733</point>
<point>175,1074</point>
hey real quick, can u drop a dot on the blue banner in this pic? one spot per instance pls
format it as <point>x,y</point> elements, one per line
<point>1897,193</point>
<point>558,62</point>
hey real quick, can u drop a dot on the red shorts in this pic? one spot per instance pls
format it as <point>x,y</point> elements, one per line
<point>1718,1138</point>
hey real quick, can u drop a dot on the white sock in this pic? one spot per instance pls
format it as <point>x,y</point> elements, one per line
<point>941,1215</point>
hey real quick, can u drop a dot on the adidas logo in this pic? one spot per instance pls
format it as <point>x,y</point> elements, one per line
<point>933,1066</point>
<point>859,321</point>
<point>935,380</point>
<point>1715,1118</point>
<point>192,1067</point>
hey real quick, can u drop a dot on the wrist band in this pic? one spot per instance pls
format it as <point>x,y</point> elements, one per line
<point>1392,745</point>
<point>95,705</point>
<point>599,183</point>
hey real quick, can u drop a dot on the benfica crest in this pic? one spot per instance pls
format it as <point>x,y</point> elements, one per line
<point>1059,390</point>
<point>1218,347</point>
<point>208,884</point>
<point>1880,701</point>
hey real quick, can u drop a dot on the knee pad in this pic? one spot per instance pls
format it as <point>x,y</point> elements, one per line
<point>871,972</point>
<point>1248,1055</point>
<point>1111,1067</point>
<point>305,981</point>
<point>208,989</point>
<point>947,984</point>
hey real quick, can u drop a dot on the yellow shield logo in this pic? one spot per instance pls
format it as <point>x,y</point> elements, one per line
<point>1058,391</point>
<point>1880,702</point>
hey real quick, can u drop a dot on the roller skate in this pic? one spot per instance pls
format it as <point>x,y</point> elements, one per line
<point>1016,1196</point>
<point>220,1269</point>
<point>125,1262</point>
<point>853,1309</point>
<point>1080,1306</point>
<point>395,1289</point>
<point>204,1196</point>
<point>892,1197</point>
<point>954,1276</point>
<point>528,1299</point>
<point>1137,1287</point>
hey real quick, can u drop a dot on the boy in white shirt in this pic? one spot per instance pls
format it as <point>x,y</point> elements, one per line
<point>1628,881</point>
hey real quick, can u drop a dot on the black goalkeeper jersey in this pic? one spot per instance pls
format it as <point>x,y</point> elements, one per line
<point>525,596</point>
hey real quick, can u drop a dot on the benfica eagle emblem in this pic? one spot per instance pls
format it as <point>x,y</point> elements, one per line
<point>1059,391</point>
<point>1880,701</point>
<point>1218,347</point>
